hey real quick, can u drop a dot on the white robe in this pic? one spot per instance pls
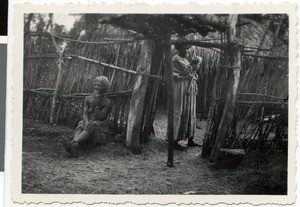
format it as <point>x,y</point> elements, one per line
<point>185,91</point>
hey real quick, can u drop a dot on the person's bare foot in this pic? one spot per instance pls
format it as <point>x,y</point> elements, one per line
<point>74,149</point>
<point>191,143</point>
<point>65,144</point>
<point>177,146</point>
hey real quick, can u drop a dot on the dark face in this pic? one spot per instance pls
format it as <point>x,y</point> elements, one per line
<point>182,52</point>
<point>99,86</point>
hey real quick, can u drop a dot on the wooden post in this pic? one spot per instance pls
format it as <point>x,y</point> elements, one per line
<point>170,103</point>
<point>212,110</point>
<point>137,98</point>
<point>114,71</point>
<point>233,85</point>
<point>59,75</point>
<point>150,99</point>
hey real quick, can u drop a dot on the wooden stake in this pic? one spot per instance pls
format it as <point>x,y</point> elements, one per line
<point>150,99</point>
<point>59,76</point>
<point>233,85</point>
<point>212,110</point>
<point>170,104</point>
<point>137,98</point>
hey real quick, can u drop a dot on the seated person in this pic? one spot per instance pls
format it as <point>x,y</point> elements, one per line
<point>93,127</point>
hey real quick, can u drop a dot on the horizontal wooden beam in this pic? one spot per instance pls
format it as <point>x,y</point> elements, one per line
<point>44,89</point>
<point>109,95</point>
<point>194,42</point>
<point>280,58</point>
<point>114,67</point>
<point>41,56</point>
<point>77,95</point>
<point>262,95</point>
<point>112,41</point>
<point>262,102</point>
<point>92,61</point>
<point>200,43</point>
<point>106,41</point>
<point>263,49</point>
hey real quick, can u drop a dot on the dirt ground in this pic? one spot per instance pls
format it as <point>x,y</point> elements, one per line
<point>113,169</point>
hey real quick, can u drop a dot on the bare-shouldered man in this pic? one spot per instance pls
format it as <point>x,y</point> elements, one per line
<point>93,128</point>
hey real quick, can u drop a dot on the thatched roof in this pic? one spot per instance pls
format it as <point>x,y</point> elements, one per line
<point>151,25</point>
<point>252,34</point>
<point>154,25</point>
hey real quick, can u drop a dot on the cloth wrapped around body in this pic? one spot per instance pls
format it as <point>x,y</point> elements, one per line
<point>185,90</point>
<point>98,132</point>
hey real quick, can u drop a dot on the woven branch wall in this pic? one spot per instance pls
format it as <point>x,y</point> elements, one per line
<point>41,69</point>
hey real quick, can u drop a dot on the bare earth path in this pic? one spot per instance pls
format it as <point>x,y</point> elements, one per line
<point>113,169</point>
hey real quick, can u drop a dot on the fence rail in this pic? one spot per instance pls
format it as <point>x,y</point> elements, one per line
<point>69,111</point>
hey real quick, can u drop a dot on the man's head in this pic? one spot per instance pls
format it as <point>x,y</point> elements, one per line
<point>101,84</point>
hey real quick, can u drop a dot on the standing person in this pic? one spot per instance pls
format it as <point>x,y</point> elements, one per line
<point>93,127</point>
<point>185,91</point>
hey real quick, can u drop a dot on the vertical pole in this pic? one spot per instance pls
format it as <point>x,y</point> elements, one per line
<point>57,87</point>
<point>170,104</point>
<point>114,71</point>
<point>136,105</point>
<point>205,93</point>
<point>212,110</point>
<point>59,75</point>
<point>150,99</point>
<point>233,85</point>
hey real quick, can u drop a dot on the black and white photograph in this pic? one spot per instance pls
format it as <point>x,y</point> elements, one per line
<point>155,103</point>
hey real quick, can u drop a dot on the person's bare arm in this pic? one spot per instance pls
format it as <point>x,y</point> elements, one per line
<point>85,116</point>
<point>196,63</point>
<point>195,60</point>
